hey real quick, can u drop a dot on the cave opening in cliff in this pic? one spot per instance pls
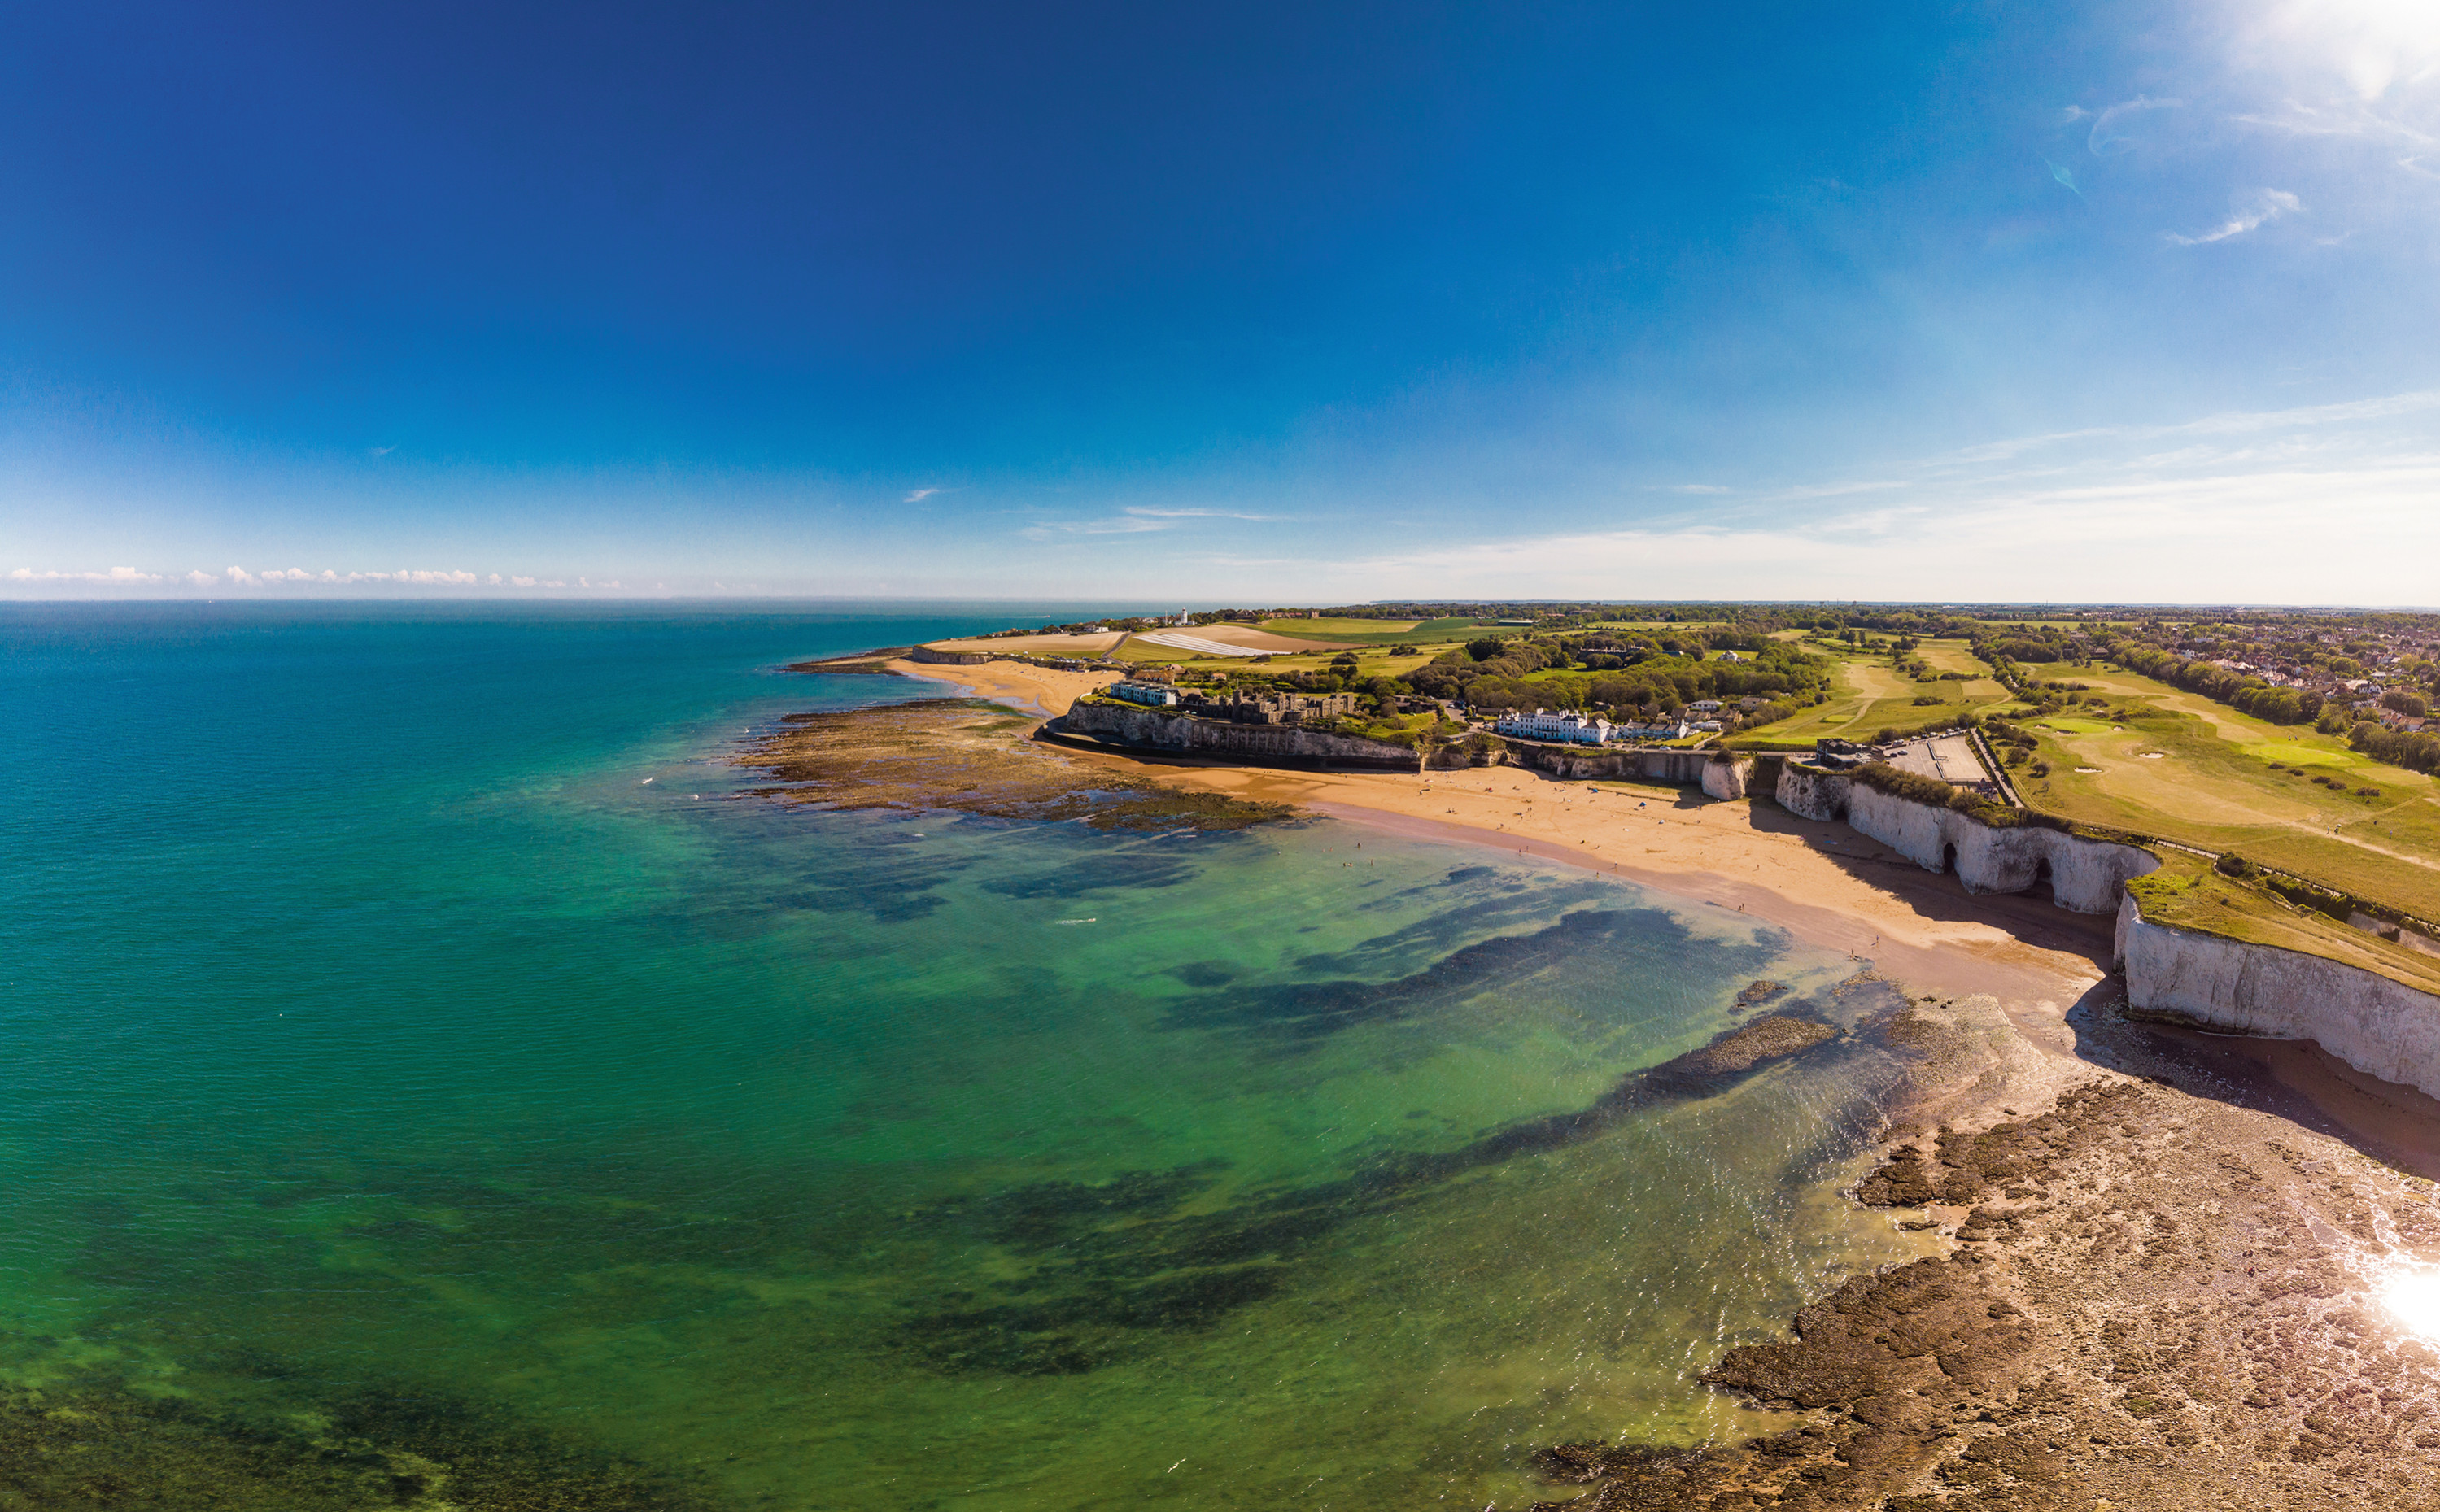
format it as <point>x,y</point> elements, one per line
<point>1948,859</point>
<point>2045,885</point>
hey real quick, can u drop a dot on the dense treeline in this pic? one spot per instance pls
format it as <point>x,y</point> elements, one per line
<point>2279,706</point>
<point>1607,672</point>
<point>2413,750</point>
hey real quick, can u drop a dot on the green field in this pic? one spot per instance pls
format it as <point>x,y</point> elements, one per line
<point>1868,694</point>
<point>2189,770</point>
<point>1455,630</point>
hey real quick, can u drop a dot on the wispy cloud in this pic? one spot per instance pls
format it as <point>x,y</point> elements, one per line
<point>2227,422</point>
<point>919,495</point>
<point>1196,514</point>
<point>2264,205</point>
<point>2110,135</point>
<point>1697,488</point>
<point>1132,520</point>
<point>1833,490</point>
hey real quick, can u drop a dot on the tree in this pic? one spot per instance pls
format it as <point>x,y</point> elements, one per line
<point>1483,649</point>
<point>2400,701</point>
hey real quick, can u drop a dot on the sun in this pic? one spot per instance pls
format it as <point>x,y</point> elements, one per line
<point>2412,1297</point>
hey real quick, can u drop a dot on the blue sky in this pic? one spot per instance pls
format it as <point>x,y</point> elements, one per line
<point>1245,303</point>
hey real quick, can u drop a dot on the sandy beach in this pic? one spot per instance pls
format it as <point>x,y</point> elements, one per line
<point>1821,881</point>
<point>1042,690</point>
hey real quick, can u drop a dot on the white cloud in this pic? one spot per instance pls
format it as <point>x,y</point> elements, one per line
<point>2262,206</point>
<point>1699,488</point>
<point>127,576</point>
<point>273,578</point>
<point>919,495</point>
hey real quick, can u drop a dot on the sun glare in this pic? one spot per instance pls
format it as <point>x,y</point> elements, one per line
<point>2412,1297</point>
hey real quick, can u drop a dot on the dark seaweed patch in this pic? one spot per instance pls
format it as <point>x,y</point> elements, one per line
<point>887,878</point>
<point>1092,874</point>
<point>1043,1215</point>
<point>1205,974</point>
<point>1307,1011</point>
<point>1450,928</point>
<point>101,1445</point>
<point>1114,1265</point>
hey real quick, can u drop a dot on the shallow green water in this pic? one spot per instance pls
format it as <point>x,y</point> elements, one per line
<point>393,1071</point>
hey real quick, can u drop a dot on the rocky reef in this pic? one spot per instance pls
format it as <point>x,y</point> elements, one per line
<point>971,756</point>
<point>2156,1302</point>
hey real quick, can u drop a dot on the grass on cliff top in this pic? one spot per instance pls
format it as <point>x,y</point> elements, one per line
<point>2187,893</point>
<point>2214,785</point>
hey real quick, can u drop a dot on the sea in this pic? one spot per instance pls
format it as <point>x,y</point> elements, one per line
<point>429,1078</point>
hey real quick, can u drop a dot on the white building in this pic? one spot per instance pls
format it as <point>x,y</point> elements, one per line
<point>1570,729</point>
<point>1705,705</point>
<point>1664,730</point>
<point>1157,695</point>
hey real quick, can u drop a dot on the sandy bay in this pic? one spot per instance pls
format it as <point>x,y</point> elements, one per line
<point>2172,1255</point>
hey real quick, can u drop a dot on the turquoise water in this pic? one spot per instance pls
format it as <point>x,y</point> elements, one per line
<point>407,1046</point>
